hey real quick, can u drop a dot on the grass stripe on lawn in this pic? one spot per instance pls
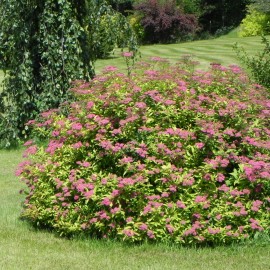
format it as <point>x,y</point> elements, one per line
<point>205,51</point>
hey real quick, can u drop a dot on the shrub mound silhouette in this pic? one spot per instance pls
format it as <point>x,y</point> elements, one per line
<point>168,153</point>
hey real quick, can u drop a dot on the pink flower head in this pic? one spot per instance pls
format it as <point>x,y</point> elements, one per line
<point>255,226</point>
<point>85,164</point>
<point>30,142</point>
<point>127,54</point>
<point>224,163</point>
<point>88,194</point>
<point>106,201</point>
<point>31,150</point>
<point>246,191</point>
<point>170,228</point>
<point>153,197</point>
<point>143,227</point>
<point>126,160</point>
<point>213,231</point>
<point>158,59</point>
<point>200,199</point>
<point>199,145</point>
<point>147,209</point>
<point>243,212</point>
<point>191,231</point>
<point>140,105</point>
<point>115,210</point>
<point>151,73</point>
<point>141,152</point>
<point>77,145</point>
<point>169,102</point>
<point>196,215</point>
<point>93,220</point>
<point>104,181</point>
<point>170,205</point>
<point>129,219</point>
<point>224,188</point>
<point>116,131</point>
<point>115,193</point>
<point>188,182</point>
<point>150,234</point>
<point>257,203</point>
<point>129,233</point>
<point>103,215</point>
<point>180,204</point>
<point>220,177</point>
<point>173,188</point>
<point>110,68</point>
<point>90,104</point>
<point>76,126</point>
<point>235,192</point>
<point>104,122</point>
<point>207,177</point>
<point>265,175</point>
<point>165,194</point>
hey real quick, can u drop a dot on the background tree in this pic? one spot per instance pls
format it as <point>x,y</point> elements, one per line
<point>262,5</point>
<point>123,6</point>
<point>44,45</point>
<point>255,22</point>
<point>222,13</point>
<point>191,6</point>
<point>164,21</point>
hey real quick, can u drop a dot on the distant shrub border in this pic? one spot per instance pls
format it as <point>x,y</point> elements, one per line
<point>167,154</point>
<point>255,23</point>
<point>258,65</point>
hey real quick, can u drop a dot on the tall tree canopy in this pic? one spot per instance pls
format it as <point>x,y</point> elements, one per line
<point>262,5</point>
<point>222,13</point>
<point>44,45</point>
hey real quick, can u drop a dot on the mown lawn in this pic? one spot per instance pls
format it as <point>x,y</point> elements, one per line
<point>204,51</point>
<point>218,50</point>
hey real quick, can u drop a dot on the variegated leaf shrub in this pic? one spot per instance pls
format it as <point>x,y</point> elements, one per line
<point>166,154</point>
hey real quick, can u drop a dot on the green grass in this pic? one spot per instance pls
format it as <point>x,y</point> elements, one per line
<point>22,247</point>
<point>233,33</point>
<point>205,51</point>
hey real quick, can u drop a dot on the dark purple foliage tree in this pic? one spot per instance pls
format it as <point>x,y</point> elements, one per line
<point>164,22</point>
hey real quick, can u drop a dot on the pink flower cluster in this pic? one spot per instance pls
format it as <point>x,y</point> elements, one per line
<point>164,154</point>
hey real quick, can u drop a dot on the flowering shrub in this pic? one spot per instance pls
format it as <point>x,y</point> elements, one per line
<point>165,154</point>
